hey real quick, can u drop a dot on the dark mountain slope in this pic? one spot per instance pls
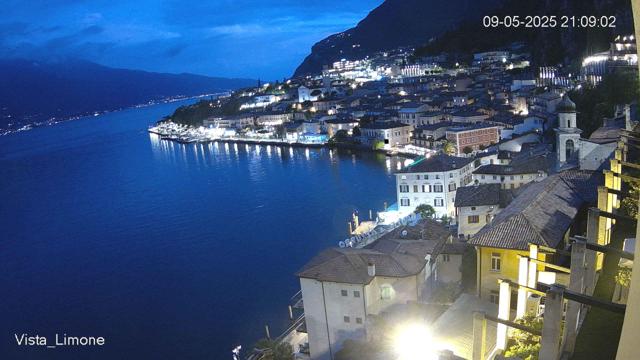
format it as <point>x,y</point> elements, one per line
<point>393,24</point>
<point>33,91</point>
<point>548,46</point>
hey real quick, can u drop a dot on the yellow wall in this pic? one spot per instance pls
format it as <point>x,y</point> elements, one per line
<point>488,279</point>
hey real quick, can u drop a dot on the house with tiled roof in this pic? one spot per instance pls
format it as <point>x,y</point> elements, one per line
<point>545,213</point>
<point>344,287</point>
<point>477,205</point>
<point>515,174</point>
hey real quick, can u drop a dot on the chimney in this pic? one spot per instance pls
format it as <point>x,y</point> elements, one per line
<point>371,269</point>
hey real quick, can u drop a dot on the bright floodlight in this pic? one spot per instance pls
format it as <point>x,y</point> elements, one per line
<point>415,342</point>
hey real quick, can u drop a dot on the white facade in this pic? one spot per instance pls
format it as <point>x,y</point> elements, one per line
<point>394,136</point>
<point>335,312</point>
<point>437,189</point>
<point>511,181</point>
<point>473,218</point>
<point>568,141</point>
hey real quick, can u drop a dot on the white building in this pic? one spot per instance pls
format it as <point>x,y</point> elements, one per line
<point>304,94</point>
<point>433,181</point>
<point>342,288</point>
<point>477,205</point>
<point>515,174</point>
<point>389,133</point>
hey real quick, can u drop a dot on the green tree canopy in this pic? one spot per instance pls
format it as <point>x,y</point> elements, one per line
<point>273,350</point>
<point>524,344</point>
<point>425,211</point>
<point>449,148</point>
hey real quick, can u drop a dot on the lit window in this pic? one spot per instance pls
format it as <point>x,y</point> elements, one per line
<point>344,292</point>
<point>386,292</point>
<point>496,261</point>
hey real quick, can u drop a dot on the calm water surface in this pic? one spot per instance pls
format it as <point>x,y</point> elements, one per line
<point>168,251</point>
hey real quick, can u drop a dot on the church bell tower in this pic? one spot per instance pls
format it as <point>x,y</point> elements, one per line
<point>567,133</point>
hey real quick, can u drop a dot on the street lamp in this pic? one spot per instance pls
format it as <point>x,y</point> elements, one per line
<point>415,342</point>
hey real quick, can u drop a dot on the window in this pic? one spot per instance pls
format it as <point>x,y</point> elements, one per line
<point>356,293</point>
<point>438,202</point>
<point>347,319</point>
<point>452,187</point>
<point>438,188</point>
<point>446,258</point>
<point>494,297</point>
<point>404,188</point>
<point>426,188</point>
<point>473,219</point>
<point>450,175</point>
<point>415,188</point>
<point>386,292</point>
<point>437,177</point>
<point>495,177</point>
<point>473,208</point>
<point>343,292</point>
<point>482,177</point>
<point>405,202</point>
<point>358,320</point>
<point>426,177</point>
<point>495,261</point>
<point>403,177</point>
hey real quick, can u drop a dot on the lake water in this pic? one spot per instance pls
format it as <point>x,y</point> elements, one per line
<point>168,251</point>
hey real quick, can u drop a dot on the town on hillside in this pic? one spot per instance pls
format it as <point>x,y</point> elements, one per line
<point>513,231</point>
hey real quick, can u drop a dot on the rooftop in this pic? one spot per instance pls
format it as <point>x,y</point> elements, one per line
<point>528,165</point>
<point>382,125</point>
<point>400,253</point>
<point>482,195</point>
<point>543,212</point>
<point>437,163</point>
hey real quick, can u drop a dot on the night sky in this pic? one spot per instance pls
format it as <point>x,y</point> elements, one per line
<point>232,38</point>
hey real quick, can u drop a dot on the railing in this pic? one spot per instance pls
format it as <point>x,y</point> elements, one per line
<point>370,236</point>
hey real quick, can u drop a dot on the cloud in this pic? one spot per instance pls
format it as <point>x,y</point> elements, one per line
<point>252,38</point>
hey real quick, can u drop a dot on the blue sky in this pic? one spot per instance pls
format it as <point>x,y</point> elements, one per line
<point>232,38</point>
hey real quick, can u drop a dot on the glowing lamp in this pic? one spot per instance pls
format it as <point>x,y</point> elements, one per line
<point>415,342</point>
